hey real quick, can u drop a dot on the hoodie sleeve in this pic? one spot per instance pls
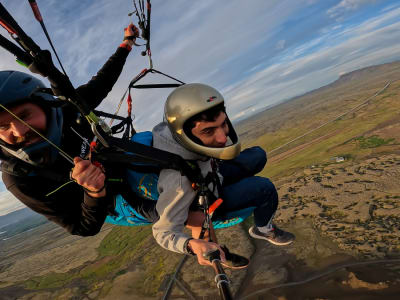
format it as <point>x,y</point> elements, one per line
<point>176,196</point>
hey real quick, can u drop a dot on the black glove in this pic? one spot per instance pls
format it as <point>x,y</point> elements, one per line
<point>42,63</point>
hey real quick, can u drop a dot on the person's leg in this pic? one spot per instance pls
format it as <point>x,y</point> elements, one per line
<point>258,192</point>
<point>249,162</point>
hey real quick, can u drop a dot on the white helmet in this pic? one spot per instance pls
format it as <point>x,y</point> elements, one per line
<point>188,101</point>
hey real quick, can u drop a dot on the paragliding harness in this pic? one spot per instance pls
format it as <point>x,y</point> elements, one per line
<point>134,155</point>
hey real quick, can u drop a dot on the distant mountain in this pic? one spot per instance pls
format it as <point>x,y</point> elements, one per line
<point>342,94</point>
<point>377,75</point>
<point>19,221</point>
<point>16,216</point>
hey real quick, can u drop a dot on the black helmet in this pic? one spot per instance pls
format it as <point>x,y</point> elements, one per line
<point>17,88</point>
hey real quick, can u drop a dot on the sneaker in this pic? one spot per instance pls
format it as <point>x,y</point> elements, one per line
<point>276,236</point>
<point>234,261</point>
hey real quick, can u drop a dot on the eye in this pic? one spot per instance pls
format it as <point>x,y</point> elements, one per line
<point>25,115</point>
<point>208,131</point>
<point>4,127</point>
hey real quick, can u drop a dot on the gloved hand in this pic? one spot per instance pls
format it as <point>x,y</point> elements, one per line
<point>42,63</point>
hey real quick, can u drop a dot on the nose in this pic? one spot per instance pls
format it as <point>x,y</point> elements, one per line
<point>18,129</point>
<point>221,137</point>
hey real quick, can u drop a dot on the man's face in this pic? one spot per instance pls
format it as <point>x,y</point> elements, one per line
<point>212,134</point>
<point>14,132</point>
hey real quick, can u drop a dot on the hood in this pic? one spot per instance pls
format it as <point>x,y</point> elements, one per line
<point>163,140</point>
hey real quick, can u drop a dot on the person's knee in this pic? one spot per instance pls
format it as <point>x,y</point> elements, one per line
<point>259,158</point>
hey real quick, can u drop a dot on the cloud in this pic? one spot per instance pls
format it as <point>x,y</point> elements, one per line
<point>204,47</point>
<point>374,23</point>
<point>300,74</point>
<point>345,6</point>
<point>256,54</point>
<point>280,45</point>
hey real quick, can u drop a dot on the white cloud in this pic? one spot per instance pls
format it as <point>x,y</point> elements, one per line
<point>392,16</point>
<point>345,6</point>
<point>303,73</point>
<point>390,7</point>
<point>280,45</point>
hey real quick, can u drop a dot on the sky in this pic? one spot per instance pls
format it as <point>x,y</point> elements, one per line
<point>256,52</point>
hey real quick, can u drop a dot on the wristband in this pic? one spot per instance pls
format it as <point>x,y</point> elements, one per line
<point>187,247</point>
<point>130,38</point>
<point>126,46</point>
<point>95,192</point>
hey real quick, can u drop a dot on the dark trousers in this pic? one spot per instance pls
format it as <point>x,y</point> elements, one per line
<point>241,189</point>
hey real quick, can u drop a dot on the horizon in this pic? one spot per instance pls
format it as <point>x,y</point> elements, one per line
<point>257,56</point>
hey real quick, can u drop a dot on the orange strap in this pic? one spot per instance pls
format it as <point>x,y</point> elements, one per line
<point>214,206</point>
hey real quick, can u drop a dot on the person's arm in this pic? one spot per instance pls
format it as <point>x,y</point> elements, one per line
<point>102,83</point>
<point>65,207</point>
<point>173,204</point>
<point>90,177</point>
<point>176,196</point>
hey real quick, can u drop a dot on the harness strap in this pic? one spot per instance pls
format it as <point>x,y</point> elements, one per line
<point>211,177</point>
<point>154,156</point>
<point>21,169</point>
<point>125,121</point>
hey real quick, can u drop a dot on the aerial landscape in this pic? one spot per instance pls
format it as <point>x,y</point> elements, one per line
<point>316,84</point>
<point>339,191</point>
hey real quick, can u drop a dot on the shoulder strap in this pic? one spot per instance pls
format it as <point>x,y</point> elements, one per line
<point>18,168</point>
<point>212,177</point>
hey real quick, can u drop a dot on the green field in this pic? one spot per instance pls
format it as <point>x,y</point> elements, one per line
<point>122,248</point>
<point>369,130</point>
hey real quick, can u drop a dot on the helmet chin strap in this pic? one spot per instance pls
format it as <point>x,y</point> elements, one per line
<point>62,152</point>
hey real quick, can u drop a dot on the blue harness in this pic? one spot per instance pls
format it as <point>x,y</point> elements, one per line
<point>145,185</point>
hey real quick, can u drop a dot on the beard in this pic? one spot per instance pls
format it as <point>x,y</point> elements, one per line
<point>29,138</point>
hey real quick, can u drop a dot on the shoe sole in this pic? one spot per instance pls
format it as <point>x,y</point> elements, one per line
<point>264,238</point>
<point>233,268</point>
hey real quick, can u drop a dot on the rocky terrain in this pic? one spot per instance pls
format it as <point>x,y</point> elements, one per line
<point>344,216</point>
<point>356,205</point>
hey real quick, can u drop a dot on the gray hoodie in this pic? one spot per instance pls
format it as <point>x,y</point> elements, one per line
<point>176,193</point>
